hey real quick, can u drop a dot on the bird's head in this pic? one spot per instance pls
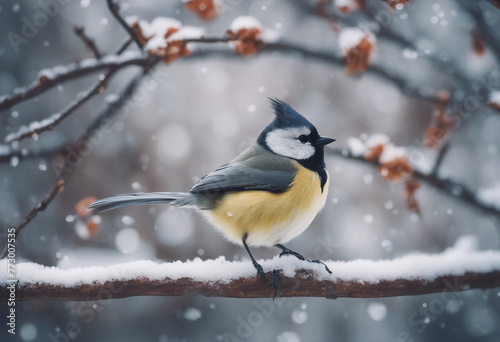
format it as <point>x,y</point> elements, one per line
<point>292,135</point>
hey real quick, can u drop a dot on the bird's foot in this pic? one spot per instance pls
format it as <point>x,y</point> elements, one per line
<point>288,251</point>
<point>274,279</point>
<point>260,272</point>
<point>316,261</point>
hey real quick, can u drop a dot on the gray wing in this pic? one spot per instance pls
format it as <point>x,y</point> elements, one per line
<point>254,169</point>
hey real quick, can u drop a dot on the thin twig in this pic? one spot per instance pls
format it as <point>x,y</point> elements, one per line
<point>116,105</point>
<point>439,160</point>
<point>57,118</point>
<point>124,46</point>
<point>114,7</point>
<point>89,43</point>
<point>452,188</point>
<point>209,40</point>
<point>71,72</point>
<point>396,37</point>
<point>38,208</point>
<point>405,86</point>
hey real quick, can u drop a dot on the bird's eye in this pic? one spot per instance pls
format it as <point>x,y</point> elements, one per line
<point>303,138</point>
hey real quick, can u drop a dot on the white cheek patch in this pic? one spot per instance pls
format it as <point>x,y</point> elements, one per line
<point>285,143</point>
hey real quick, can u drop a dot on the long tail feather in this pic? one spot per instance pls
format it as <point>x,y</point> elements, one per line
<point>174,198</point>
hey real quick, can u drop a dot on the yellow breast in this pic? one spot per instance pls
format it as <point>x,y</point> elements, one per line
<point>271,218</point>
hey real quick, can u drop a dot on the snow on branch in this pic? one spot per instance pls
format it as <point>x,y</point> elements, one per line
<point>49,78</point>
<point>452,188</point>
<point>49,123</point>
<point>458,268</point>
<point>371,12</point>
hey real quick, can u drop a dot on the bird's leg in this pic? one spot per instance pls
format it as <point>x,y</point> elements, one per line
<point>260,270</point>
<point>286,251</point>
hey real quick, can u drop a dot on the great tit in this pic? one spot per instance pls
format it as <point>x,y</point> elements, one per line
<point>267,196</point>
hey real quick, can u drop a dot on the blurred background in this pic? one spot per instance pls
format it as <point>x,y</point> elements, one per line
<point>197,113</point>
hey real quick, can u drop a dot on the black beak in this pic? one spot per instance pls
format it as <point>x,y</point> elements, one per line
<point>323,141</point>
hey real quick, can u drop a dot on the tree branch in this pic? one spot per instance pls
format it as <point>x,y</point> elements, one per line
<point>54,120</point>
<point>109,62</point>
<point>439,160</point>
<point>105,114</point>
<point>114,7</point>
<point>302,285</point>
<point>209,40</point>
<point>405,86</point>
<point>89,43</point>
<point>449,187</point>
<point>460,79</point>
<point>39,207</point>
<point>113,65</point>
<point>413,274</point>
<point>487,31</point>
<point>70,72</point>
<point>284,47</point>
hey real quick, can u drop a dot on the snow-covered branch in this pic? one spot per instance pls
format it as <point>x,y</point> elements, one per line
<point>405,86</point>
<point>49,78</point>
<point>452,188</point>
<point>439,58</point>
<point>49,123</point>
<point>60,74</point>
<point>57,75</point>
<point>458,268</point>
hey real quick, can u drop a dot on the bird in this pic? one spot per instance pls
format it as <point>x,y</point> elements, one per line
<point>266,196</point>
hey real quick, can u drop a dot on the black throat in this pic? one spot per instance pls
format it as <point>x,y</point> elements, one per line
<point>317,164</point>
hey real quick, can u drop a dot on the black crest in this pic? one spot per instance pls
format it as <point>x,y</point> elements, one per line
<point>286,116</point>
